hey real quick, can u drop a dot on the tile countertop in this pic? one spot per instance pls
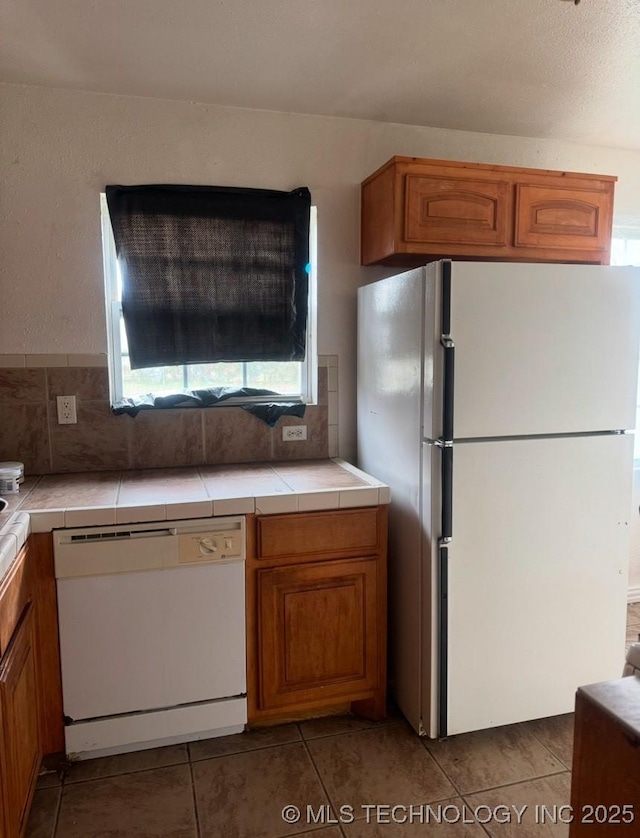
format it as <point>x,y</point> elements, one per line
<point>104,498</point>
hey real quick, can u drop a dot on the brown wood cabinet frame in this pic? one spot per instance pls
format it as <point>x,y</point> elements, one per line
<point>318,562</point>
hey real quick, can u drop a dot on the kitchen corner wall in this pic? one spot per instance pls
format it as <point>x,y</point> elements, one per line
<point>154,438</point>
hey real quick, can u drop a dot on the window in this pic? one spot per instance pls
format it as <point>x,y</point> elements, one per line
<point>625,250</point>
<point>290,380</point>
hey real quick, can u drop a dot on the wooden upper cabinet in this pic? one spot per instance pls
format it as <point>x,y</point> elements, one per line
<point>415,210</point>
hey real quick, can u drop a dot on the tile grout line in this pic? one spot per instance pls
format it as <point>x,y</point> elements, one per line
<point>196,814</point>
<point>122,773</point>
<point>203,438</point>
<point>518,782</point>
<point>48,418</point>
<point>117,500</point>
<point>423,742</point>
<point>375,726</point>
<point>315,767</point>
<point>246,751</point>
<point>547,748</point>
<point>483,826</point>
<point>56,817</point>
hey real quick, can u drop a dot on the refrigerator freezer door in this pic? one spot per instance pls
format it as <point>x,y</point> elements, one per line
<point>537,576</point>
<point>544,349</point>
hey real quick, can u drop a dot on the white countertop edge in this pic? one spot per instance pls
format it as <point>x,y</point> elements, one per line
<point>21,523</point>
<point>48,519</point>
<point>366,478</point>
<point>8,551</point>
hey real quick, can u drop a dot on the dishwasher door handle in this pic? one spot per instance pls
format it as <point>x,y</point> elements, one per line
<point>106,556</point>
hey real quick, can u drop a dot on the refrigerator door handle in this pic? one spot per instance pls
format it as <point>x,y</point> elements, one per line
<point>446,524</point>
<point>448,381</point>
<point>443,640</point>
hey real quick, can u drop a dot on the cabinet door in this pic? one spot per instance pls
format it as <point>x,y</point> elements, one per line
<point>454,210</point>
<point>20,743</point>
<point>563,217</point>
<point>318,635</point>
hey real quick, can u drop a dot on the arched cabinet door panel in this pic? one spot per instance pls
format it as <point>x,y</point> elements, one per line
<point>562,217</point>
<point>442,209</point>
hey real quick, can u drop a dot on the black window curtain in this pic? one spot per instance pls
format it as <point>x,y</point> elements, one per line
<point>212,273</point>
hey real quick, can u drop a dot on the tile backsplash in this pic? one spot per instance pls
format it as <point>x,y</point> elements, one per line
<point>101,441</point>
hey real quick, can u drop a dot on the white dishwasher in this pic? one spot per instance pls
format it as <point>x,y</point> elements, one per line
<point>152,633</point>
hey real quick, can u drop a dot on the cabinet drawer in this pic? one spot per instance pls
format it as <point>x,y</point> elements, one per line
<point>339,533</point>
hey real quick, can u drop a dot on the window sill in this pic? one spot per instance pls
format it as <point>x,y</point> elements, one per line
<point>264,404</point>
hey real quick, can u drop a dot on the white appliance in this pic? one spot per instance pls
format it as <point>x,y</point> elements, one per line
<point>152,633</point>
<point>493,399</point>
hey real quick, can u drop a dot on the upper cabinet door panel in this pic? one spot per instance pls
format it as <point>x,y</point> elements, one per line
<point>450,209</point>
<point>562,217</point>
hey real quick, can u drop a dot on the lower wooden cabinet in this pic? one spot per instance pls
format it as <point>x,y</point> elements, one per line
<point>21,752</point>
<point>318,631</point>
<point>317,614</point>
<point>31,721</point>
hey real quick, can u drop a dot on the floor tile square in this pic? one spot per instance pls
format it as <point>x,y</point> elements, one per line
<point>149,804</point>
<point>556,734</point>
<point>488,758</point>
<point>243,795</point>
<point>548,791</point>
<point>381,765</point>
<point>42,818</point>
<point>436,820</point>
<point>94,769</point>
<point>265,737</point>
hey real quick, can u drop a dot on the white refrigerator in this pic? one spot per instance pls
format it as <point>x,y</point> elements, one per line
<point>497,400</point>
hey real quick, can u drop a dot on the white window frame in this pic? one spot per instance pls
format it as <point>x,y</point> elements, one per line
<point>113,306</point>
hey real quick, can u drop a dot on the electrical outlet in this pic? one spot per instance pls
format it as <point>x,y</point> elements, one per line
<point>294,433</point>
<point>66,410</point>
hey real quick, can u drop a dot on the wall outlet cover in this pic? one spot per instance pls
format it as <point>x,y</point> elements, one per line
<point>67,410</point>
<point>294,433</point>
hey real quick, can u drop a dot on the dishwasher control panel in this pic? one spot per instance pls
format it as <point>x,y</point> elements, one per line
<point>209,546</point>
<point>159,545</point>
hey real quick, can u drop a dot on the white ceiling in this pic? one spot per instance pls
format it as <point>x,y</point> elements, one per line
<point>538,68</point>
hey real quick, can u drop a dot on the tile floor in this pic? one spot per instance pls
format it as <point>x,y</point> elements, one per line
<point>237,786</point>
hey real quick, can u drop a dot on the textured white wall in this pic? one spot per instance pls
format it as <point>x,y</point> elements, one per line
<point>60,148</point>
